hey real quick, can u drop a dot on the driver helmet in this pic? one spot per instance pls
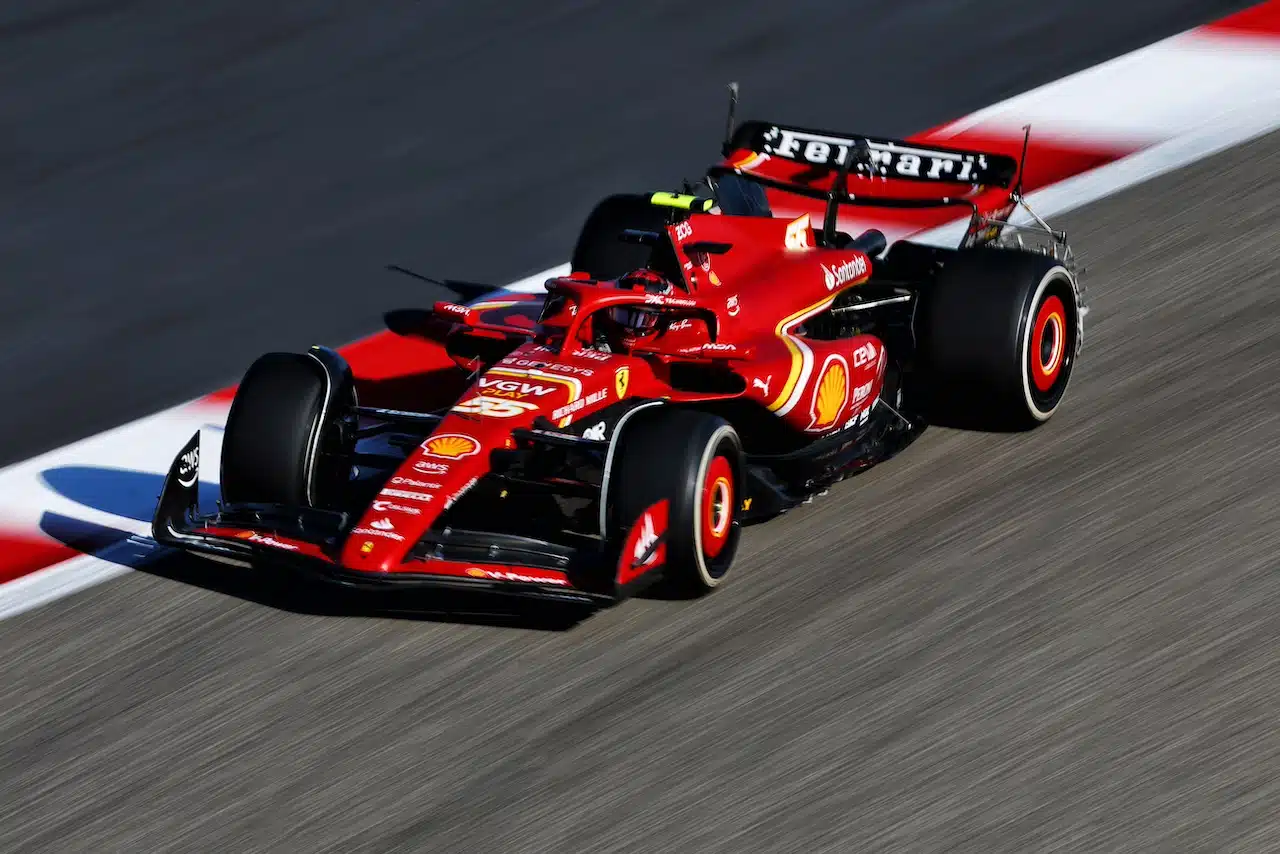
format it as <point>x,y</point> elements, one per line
<point>635,318</point>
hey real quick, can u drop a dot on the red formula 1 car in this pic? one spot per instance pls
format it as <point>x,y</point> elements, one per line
<point>706,365</point>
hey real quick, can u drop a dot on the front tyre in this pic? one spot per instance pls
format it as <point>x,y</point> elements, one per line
<point>287,439</point>
<point>694,461</point>
<point>998,333</point>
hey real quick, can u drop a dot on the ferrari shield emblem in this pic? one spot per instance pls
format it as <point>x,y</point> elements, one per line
<point>620,381</point>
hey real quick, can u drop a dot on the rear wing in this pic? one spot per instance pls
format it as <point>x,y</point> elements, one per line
<point>821,164</point>
<point>807,160</point>
<point>874,157</point>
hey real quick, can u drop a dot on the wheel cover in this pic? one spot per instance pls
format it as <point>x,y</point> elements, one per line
<point>1048,343</point>
<point>717,506</point>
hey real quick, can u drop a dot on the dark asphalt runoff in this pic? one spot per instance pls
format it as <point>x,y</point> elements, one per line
<point>1059,641</point>
<point>185,185</point>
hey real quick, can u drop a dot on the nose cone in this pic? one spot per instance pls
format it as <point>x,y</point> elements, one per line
<point>431,478</point>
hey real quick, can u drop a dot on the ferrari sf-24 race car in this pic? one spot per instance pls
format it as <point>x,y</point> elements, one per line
<point>712,360</point>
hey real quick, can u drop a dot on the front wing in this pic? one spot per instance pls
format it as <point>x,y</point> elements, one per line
<point>308,541</point>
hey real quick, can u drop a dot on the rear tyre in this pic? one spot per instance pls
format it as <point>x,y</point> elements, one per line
<point>997,333</point>
<point>694,460</point>
<point>284,441</point>
<point>599,253</point>
<point>736,196</point>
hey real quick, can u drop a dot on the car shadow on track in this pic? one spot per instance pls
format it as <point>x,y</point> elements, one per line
<point>128,493</point>
<point>301,595</point>
<point>963,409</point>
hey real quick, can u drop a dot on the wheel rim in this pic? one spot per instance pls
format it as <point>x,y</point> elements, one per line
<point>717,506</point>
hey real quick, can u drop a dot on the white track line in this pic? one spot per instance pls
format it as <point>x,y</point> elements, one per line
<point>1088,187</point>
<point>1165,90</point>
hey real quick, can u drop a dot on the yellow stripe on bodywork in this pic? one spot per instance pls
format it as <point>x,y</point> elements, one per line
<point>750,160</point>
<point>492,304</point>
<point>783,331</point>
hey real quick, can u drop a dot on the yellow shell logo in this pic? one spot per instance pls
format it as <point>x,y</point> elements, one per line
<point>475,572</point>
<point>620,382</point>
<point>451,446</point>
<point>831,396</point>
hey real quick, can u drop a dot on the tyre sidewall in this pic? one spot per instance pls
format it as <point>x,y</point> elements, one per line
<point>1055,282</point>
<point>711,570</point>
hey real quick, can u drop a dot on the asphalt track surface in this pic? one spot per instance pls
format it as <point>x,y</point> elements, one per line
<point>184,186</point>
<point>1059,641</point>
<point>1063,641</point>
